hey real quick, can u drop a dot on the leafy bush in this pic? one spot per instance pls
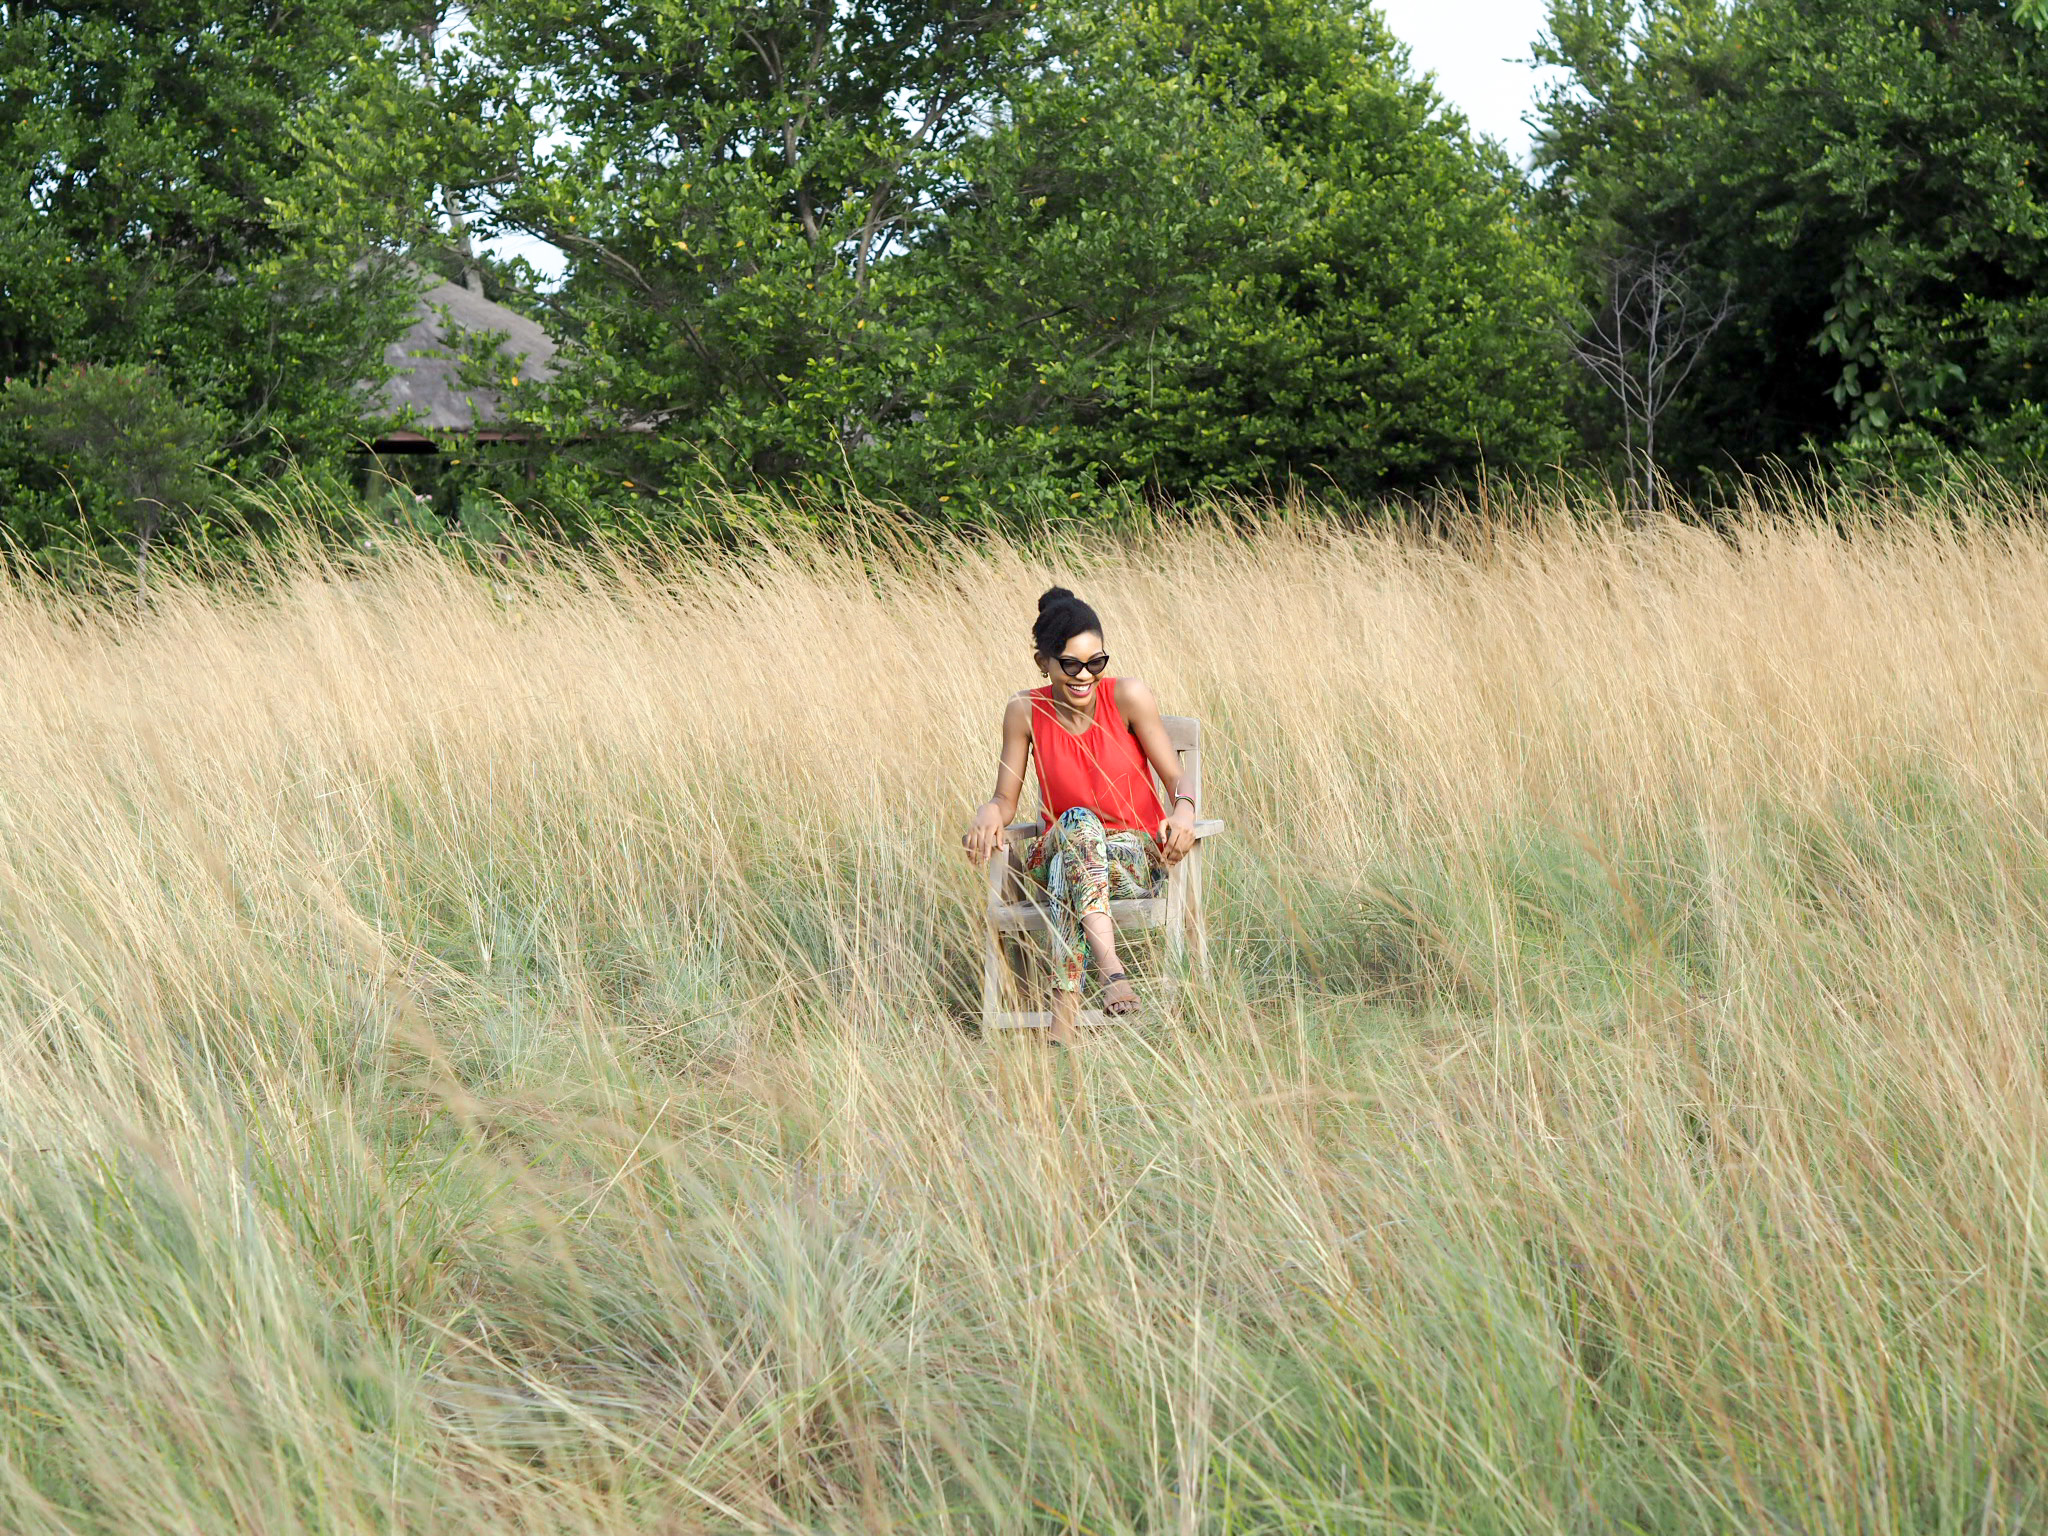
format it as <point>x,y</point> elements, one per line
<point>128,452</point>
<point>1229,245</point>
<point>1868,177</point>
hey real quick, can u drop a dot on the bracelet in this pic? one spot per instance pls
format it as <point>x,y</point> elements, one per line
<point>1184,795</point>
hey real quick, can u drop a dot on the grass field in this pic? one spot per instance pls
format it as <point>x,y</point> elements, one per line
<point>487,1052</point>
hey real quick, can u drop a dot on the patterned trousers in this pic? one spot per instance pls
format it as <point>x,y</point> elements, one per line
<point>1083,868</point>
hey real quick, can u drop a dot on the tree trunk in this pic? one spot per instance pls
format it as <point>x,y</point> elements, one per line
<point>145,531</point>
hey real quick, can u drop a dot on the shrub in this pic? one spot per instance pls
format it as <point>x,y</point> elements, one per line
<point>130,453</point>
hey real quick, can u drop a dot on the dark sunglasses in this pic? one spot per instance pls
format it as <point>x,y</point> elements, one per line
<point>1073,666</point>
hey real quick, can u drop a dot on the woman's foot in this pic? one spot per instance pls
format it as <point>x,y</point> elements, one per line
<point>1119,997</point>
<point>1066,1009</point>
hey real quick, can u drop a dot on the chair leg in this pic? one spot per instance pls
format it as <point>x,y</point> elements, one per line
<point>1196,918</point>
<point>992,968</point>
<point>1176,934</point>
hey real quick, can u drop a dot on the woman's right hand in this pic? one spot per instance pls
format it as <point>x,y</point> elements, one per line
<point>985,838</point>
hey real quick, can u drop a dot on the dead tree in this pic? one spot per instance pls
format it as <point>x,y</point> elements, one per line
<point>1643,340</point>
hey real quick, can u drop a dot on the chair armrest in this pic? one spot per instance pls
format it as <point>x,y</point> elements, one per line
<point>1208,826</point>
<point>999,865</point>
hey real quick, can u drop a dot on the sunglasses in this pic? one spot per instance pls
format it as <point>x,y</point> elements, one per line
<point>1074,666</point>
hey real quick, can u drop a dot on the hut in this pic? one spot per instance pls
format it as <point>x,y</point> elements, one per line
<point>426,379</point>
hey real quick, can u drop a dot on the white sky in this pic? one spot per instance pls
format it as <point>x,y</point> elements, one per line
<point>1466,44</point>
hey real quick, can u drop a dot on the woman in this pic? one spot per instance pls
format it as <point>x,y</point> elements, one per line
<point>1106,836</point>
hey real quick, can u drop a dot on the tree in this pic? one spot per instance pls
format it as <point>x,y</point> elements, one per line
<point>727,178</point>
<point>129,450</point>
<point>1867,178</point>
<point>1642,341</point>
<point>974,254</point>
<point>1223,246</point>
<point>1230,245</point>
<point>180,205</point>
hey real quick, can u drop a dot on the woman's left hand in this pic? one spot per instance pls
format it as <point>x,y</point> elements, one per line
<point>1177,832</point>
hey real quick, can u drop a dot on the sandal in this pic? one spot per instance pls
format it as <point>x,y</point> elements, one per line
<point>1117,1011</point>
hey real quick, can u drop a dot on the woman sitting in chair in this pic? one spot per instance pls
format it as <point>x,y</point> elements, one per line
<point>1105,834</point>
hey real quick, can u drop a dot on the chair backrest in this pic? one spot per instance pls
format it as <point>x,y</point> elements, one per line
<point>1185,732</point>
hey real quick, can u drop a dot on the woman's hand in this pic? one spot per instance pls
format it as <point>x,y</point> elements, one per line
<point>1177,832</point>
<point>985,838</point>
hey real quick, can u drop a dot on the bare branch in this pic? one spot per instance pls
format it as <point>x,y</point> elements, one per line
<point>1643,342</point>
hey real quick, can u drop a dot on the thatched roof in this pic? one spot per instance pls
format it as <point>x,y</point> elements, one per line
<point>427,361</point>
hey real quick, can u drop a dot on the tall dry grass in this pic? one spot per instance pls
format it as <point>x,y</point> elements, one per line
<point>485,1052</point>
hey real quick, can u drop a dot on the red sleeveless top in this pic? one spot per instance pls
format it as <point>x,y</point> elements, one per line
<point>1103,768</point>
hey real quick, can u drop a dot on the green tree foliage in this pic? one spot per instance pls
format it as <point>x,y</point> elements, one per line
<point>177,202</point>
<point>1867,177</point>
<point>726,178</point>
<point>1230,244</point>
<point>962,254</point>
<point>130,453</point>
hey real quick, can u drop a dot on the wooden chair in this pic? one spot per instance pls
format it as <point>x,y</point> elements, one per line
<point>1016,905</point>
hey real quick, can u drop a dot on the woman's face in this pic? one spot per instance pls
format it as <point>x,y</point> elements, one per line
<point>1077,691</point>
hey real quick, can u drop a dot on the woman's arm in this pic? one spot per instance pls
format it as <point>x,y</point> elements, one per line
<point>1141,713</point>
<point>985,837</point>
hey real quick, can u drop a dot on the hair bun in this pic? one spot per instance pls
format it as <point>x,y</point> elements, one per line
<point>1061,616</point>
